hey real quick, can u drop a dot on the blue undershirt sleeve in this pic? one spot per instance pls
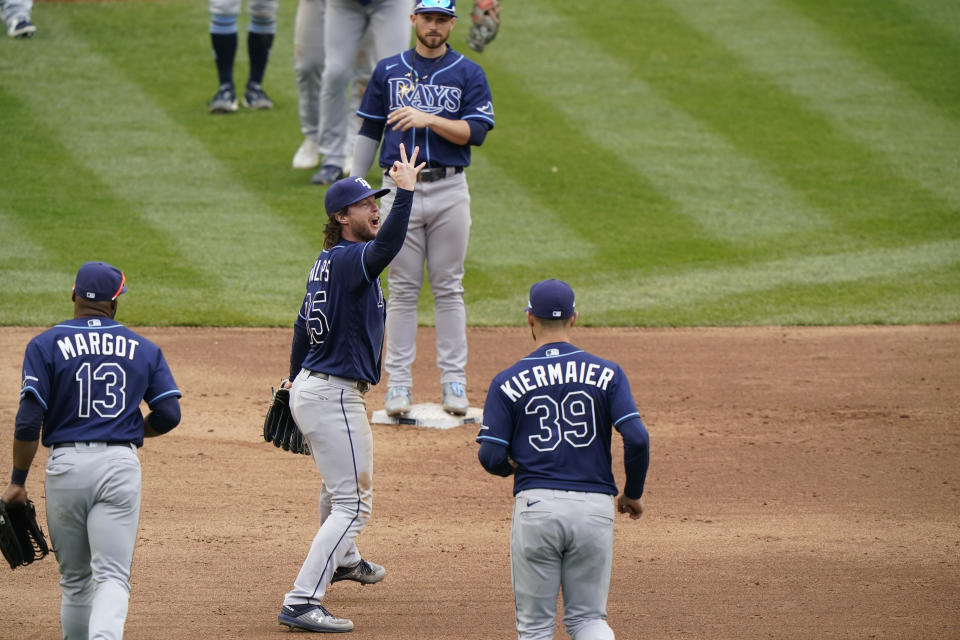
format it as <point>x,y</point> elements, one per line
<point>636,455</point>
<point>29,419</point>
<point>299,348</point>
<point>478,132</point>
<point>389,240</point>
<point>493,457</point>
<point>165,414</point>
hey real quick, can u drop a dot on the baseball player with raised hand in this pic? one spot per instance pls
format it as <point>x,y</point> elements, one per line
<point>83,381</point>
<point>548,421</point>
<point>335,357</point>
<point>436,98</point>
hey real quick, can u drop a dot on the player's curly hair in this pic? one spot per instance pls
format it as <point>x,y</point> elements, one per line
<point>332,232</point>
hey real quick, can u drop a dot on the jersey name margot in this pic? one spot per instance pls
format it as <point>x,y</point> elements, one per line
<point>569,372</point>
<point>429,98</point>
<point>97,344</point>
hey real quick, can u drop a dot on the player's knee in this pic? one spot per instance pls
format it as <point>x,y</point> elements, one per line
<point>223,23</point>
<point>263,24</point>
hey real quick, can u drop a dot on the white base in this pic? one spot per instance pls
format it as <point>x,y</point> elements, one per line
<point>430,415</point>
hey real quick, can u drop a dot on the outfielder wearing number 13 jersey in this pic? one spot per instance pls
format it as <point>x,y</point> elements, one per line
<point>83,382</point>
<point>548,419</point>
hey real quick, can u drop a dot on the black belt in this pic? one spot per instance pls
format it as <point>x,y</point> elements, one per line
<point>361,385</point>
<point>432,174</point>
<point>73,444</point>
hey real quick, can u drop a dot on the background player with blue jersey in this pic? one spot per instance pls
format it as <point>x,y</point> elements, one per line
<point>83,381</point>
<point>436,98</point>
<point>334,358</point>
<point>548,420</point>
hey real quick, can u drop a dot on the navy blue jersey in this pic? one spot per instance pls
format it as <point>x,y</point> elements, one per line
<point>554,410</point>
<point>453,87</point>
<point>90,375</point>
<point>343,313</point>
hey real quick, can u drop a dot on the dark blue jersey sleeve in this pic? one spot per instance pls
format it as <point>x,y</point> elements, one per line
<point>378,253</point>
<point>494,458</point>
<point>299,347</point>
<point>636,455</point>
<point>29,419</point>
<point>165,414</point>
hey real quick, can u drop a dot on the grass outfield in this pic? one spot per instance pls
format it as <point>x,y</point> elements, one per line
<point>679,162</point>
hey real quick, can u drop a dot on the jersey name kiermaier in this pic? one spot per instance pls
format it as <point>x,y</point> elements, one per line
<point>343,312</point>
<point>554,410</point>
<point>453,87</point>
<point>90,374</point>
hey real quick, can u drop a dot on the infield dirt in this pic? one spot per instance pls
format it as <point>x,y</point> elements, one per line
<point>804,483</point>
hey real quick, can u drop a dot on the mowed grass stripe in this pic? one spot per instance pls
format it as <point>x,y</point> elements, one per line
<point>849,181</point>
<point>680,297</point>
<point>679,155</point>
<point>797,55</point>
<point>941,15</point>
<point>181,189</point>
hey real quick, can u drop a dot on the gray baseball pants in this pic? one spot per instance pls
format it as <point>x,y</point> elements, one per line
<point>562,540</point>
<point>308,65</point>
<point>93,512</point>
<point>15,10</point>
<point>438,236</point>
<point>346,22</point>
<point>332,414</point>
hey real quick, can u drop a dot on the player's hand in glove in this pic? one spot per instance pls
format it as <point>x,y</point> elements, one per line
<point>279,426</point>
<point>486,23</point>
<point>21,538</point>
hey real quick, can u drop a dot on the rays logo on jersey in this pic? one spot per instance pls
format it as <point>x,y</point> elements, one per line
<point>429,98</point>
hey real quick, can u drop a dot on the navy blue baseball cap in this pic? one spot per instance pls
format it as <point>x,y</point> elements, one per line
<point>348,191</point>
<point>436,6</point>
<point>99,281</point>
<point>551,299</point>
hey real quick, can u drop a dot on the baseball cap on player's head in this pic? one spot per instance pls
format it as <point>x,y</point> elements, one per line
<point>99,281</point>
<point>551,299</point>
<point>436,6</point>
<point>348,191</point>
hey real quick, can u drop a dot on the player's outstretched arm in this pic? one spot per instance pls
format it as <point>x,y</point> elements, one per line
<point>404,171</point>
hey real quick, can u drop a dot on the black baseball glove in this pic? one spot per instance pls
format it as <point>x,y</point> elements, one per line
<point>21,538</point>
<point>486,23</point>
<point>280,428</point>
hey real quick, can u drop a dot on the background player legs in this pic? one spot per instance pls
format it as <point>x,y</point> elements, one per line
<point>448,236</point>
<point>343,31</point>
<point>260,33</point>
<point>308,68</point>
<point>334,420</point>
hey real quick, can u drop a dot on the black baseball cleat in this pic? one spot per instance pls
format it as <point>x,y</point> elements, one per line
<point>327,175</point>
<point>363,572</point>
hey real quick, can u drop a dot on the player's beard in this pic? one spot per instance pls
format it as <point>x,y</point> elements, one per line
<point>433,42</point>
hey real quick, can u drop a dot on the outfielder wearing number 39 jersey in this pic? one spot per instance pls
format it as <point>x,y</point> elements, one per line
<point>83,382</point>
<point>549,420</point>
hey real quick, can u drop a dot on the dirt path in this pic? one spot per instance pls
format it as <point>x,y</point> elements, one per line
<point>804,484</point>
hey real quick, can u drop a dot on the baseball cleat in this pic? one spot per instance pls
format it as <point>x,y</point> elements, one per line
<point>315,618</point>
<point>225,100</point>
<point>363,572</point>
<point>398,401</point>
<point>254,97</point>
<point>21,29</point>
<point>327,175</point>
<point>455,398</point>
<point>307,156</point>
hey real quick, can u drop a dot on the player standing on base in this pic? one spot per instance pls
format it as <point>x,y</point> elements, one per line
<point>335,357</point>
<point>83,381</point>
<point>548,419</point>
<point>436,98</point>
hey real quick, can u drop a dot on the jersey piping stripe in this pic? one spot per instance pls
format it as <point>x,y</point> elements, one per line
<point>627,417</point>
<point>359,500</point>
<point>106,326</point>
<point>492,439</point>
<point>164,395</point>
<point>36,394</point>
<point>559,355</point>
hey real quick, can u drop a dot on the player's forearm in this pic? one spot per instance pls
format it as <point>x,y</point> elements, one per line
<point>364,151</point>
<point>636,456</point>
<point>455,131</point>
<point>495,459</point>
<point>163,417</point>
<point>24,452</point>
<point>392,233</point>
